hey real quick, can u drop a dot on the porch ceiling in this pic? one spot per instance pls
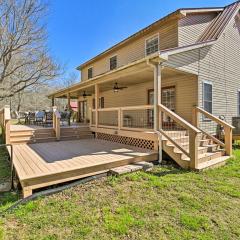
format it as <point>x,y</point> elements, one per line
<point>133,75</point>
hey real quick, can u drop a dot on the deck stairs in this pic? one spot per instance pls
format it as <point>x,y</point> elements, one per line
<point>38,135</point>
<point>210,154</point>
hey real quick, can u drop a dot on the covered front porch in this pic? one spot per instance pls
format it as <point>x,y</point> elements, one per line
<point>124,100</point>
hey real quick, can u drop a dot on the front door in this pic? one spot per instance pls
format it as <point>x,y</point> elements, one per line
<point>82,111</point>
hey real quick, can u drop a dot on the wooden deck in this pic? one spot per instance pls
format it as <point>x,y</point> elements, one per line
<point>44,164</point>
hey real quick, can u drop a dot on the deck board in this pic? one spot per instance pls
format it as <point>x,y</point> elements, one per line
<point>44,164</point>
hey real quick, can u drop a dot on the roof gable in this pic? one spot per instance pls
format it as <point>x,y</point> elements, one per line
<point>216,28</point>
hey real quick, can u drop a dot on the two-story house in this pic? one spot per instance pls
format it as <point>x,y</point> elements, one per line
<point>165,86</point>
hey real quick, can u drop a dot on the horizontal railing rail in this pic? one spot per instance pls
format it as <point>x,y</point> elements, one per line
<point>137,118</point>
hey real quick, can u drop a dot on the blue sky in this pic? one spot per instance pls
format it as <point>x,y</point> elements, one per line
<point>79,30</point>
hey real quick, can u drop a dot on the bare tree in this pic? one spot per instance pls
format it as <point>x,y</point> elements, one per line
<point>70,79</point>
<point>24,59</point>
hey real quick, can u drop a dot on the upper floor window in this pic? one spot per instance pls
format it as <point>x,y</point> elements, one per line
<point>90,73</point>
<point>152,45</point>
<point>113,63</point>
<point>207,97</point>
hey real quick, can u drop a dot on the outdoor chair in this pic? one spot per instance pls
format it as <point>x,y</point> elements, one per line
<point>48,118</point>
<point>31,118</point>
<point>39,117</point>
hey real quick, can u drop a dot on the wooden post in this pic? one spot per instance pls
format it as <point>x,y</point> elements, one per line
<point>193,149</point>
<point>96,103</point>
<point>195,117</point>
<point>7,123</point>
<point>56,122</point>
<point>57,128</point>
<point>7,131</point>
<point>69,107</point>
<point>228,140</point>
<point>119,119</point>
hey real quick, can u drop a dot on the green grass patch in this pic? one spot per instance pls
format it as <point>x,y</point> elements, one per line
<point>166,203</point>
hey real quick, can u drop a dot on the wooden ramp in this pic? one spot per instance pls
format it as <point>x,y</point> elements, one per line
<point>44,164</point>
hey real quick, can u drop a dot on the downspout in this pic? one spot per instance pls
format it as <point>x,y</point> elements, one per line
<point>157,101</point>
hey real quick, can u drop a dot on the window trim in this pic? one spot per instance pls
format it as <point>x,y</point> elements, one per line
<point>110,62</point>
<point>146,39</point>
<point>203,97</point>
<point>92,72</point>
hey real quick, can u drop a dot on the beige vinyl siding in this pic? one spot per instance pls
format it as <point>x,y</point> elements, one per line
<point>218,64</point>
<point>135,95</point>
<point>168,38</point>
<point>192,26</point>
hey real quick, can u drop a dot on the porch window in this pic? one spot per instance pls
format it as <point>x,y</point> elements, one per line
<point>207,97</point>
<point>113,63</point>
<point>100,103</point>
<point>152,45</point>
<point>90,73</point>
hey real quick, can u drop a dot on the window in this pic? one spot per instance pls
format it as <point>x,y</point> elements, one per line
<point>90,73</point>
<point>207,97</point>
<point>238,102</point>
<point>113,63</point>
<point>152,45</point>
<point>100,103</point>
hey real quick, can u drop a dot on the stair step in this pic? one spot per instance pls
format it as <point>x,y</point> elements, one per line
<point>217,162</point>
<point>205,156</point>
<point>145,166</point>
<point>22,134</point>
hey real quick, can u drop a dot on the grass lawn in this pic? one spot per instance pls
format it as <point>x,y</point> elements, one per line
<point>4,163</point>
<point>166,203</point>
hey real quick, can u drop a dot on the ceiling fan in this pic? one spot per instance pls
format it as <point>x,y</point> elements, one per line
<point>116,88</point>
<point>86,94</point>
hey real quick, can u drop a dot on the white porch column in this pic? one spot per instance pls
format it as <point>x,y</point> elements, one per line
<point>96,103</point>
<point>157,95</point>
<point>157,101</point>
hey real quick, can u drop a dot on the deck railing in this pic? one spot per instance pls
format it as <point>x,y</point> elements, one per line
<point>56,122</point>
<point>5,117</point>
<point>218,130</point>
<point>180,133</point>
<point>138,118</point>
